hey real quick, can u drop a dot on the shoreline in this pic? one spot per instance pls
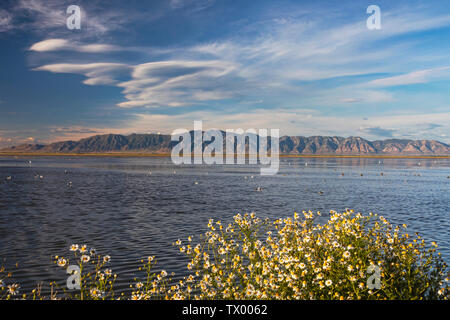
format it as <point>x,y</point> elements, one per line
<point>144,155</point>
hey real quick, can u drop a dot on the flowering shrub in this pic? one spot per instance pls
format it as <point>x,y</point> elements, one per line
<point>298,259</point>
<point>95,280</point>
<point>350,257</point>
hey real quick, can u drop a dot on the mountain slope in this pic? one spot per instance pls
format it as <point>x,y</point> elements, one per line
<point>294,145</point>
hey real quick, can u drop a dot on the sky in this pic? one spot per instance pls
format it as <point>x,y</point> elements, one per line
<point>304,67</point>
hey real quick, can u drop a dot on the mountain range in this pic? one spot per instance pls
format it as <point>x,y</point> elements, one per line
<point>289,145</point>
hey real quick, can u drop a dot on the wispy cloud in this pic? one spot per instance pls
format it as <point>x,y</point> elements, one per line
<point>163,83</point>
<point>303,122</point>
<point>96,73</point>
<point>66,45</point>
<point>175,83</point>
<point>193,5</point>
<point>378,132</point>
<point>415,77</point>
<point>48,17</point>
<point>5,20</point>
<point>43,15</point>
<point>351,100</point>
<point>307,122</point>
<point>285,54</point>
<point>284,70</point>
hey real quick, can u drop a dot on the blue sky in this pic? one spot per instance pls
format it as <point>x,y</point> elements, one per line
<point>305,67</point>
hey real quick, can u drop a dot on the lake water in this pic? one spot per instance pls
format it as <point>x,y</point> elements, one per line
<point>116,206</point>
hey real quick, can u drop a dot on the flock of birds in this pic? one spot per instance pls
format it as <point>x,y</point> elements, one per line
<point>258,189</point>
<point>40,176</point>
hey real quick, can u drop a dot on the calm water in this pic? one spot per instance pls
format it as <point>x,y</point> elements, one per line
<point>116,206</point>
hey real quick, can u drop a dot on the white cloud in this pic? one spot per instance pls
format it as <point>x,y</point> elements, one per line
<point>66,45</point>
<point>170,83</point>
<point>175,83</point>
<point>286,62</point>
<point>276,61</point>
<point>50,45</point>
<point>304,122</point>
<point>194,5</point>
<point>351,100</point>
<point>49,17</point>
<point>5,20</point>
<point>97,73</point>
<point>415,77</point>
<point>44,14</point>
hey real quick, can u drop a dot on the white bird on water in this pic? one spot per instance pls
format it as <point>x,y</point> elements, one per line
<point>8,178</point>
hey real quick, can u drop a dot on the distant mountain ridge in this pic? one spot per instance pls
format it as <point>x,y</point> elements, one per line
<point>289,145</point>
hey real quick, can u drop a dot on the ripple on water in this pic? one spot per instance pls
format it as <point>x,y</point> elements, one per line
<point>115,206</point>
